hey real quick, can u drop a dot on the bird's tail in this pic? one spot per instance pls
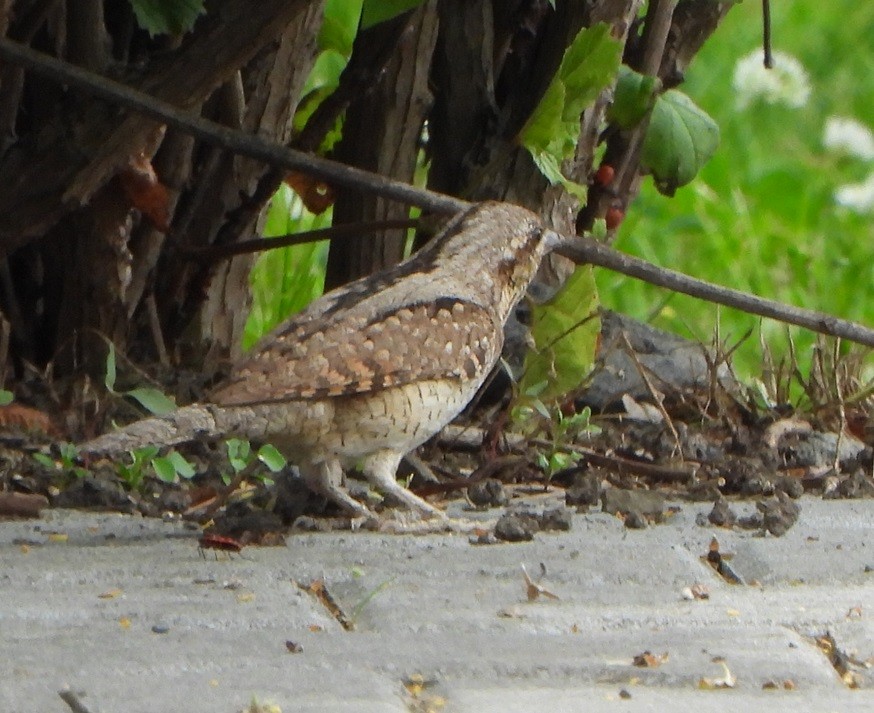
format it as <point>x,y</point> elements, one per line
<point>184,424</point>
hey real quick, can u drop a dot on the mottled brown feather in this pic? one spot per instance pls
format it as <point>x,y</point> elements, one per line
<point>357,354</point>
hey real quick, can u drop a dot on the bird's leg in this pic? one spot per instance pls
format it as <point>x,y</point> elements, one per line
<point>379,468</point>
<point>326,478</point>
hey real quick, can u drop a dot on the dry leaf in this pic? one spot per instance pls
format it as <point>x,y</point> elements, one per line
<point>727,680</point>
<point>319,590</point>
<point>534,589</point>
<point>27,419</point>
<point>696,591</point>
<point>649,660</point>
<point>316,195</point>
<point>145,192</point>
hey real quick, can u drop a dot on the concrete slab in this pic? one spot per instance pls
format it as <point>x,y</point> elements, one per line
<point>126,610</point>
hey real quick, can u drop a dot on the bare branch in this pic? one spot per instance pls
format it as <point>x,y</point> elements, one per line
<point>236,141</point>
<point>584,250</point>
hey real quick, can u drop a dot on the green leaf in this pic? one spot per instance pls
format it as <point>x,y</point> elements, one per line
<point>183,468</point>
<point>142,455</point>
<point>340,25</point>
<point>552,130</point>
<point>167,17</point>
<point>540,129</point>
<point>323,78</point>
<point>549,167</point>
<point>132,473</point>
<point>271,457</point>
<point>633,97</point>
<point>69,452</point>
<point>6,397</point>
<point>565,331</point>
<point>680,139</point>
<point>45,460</point>
<point>164,469</point>
<point>588,67</point>
<point>152,400</point>
<point>109,376</point>
<point>376,11</point>
<point>239,453</point>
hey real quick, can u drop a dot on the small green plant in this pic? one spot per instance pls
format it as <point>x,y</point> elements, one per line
<point>6,397</point>
<point>240,456</point>
<point>566,429</point>
<point>368,597</point>
<point>554,432</point>
<point>66,461</point>
<point>151,399</point>
<point>173,466</point>
<point>239,453</point>
<point>168,468</point>
<point>133,473</point>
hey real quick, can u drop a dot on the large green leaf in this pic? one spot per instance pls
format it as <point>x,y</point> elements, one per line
<point>340,25</point>
<point>167,17</point>
<point>544,123</point>
<point>633,97</point>
<point>271,457</point>
<point>680,139</point>
<point>551,132</point>
<point>565,331</point>
<point>109,375</point>
<point>153,400</point>
<point>588,66</point>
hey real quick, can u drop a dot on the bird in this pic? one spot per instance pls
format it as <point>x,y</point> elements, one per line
<point>370,371</point>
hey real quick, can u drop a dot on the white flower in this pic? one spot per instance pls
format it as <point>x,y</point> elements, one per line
<point>858,197</point>
<point>785,83</point>
<point>848,136</point>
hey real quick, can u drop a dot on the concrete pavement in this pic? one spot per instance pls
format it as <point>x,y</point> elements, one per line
<point>125,610</point>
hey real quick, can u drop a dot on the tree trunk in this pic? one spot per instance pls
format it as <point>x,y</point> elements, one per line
<point>382,133</point>
<point>81,261</point>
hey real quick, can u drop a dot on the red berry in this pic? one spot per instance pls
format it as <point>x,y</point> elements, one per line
<point>613,217</point>
<point>604,175</point>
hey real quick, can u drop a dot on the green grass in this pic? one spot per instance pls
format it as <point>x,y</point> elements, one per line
<point>286,280</point>
<point>761,216</point>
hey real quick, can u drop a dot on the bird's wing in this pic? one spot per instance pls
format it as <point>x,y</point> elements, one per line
<point>447,338</point>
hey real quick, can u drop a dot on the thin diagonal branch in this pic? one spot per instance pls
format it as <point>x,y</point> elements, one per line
<point>583,250</point>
